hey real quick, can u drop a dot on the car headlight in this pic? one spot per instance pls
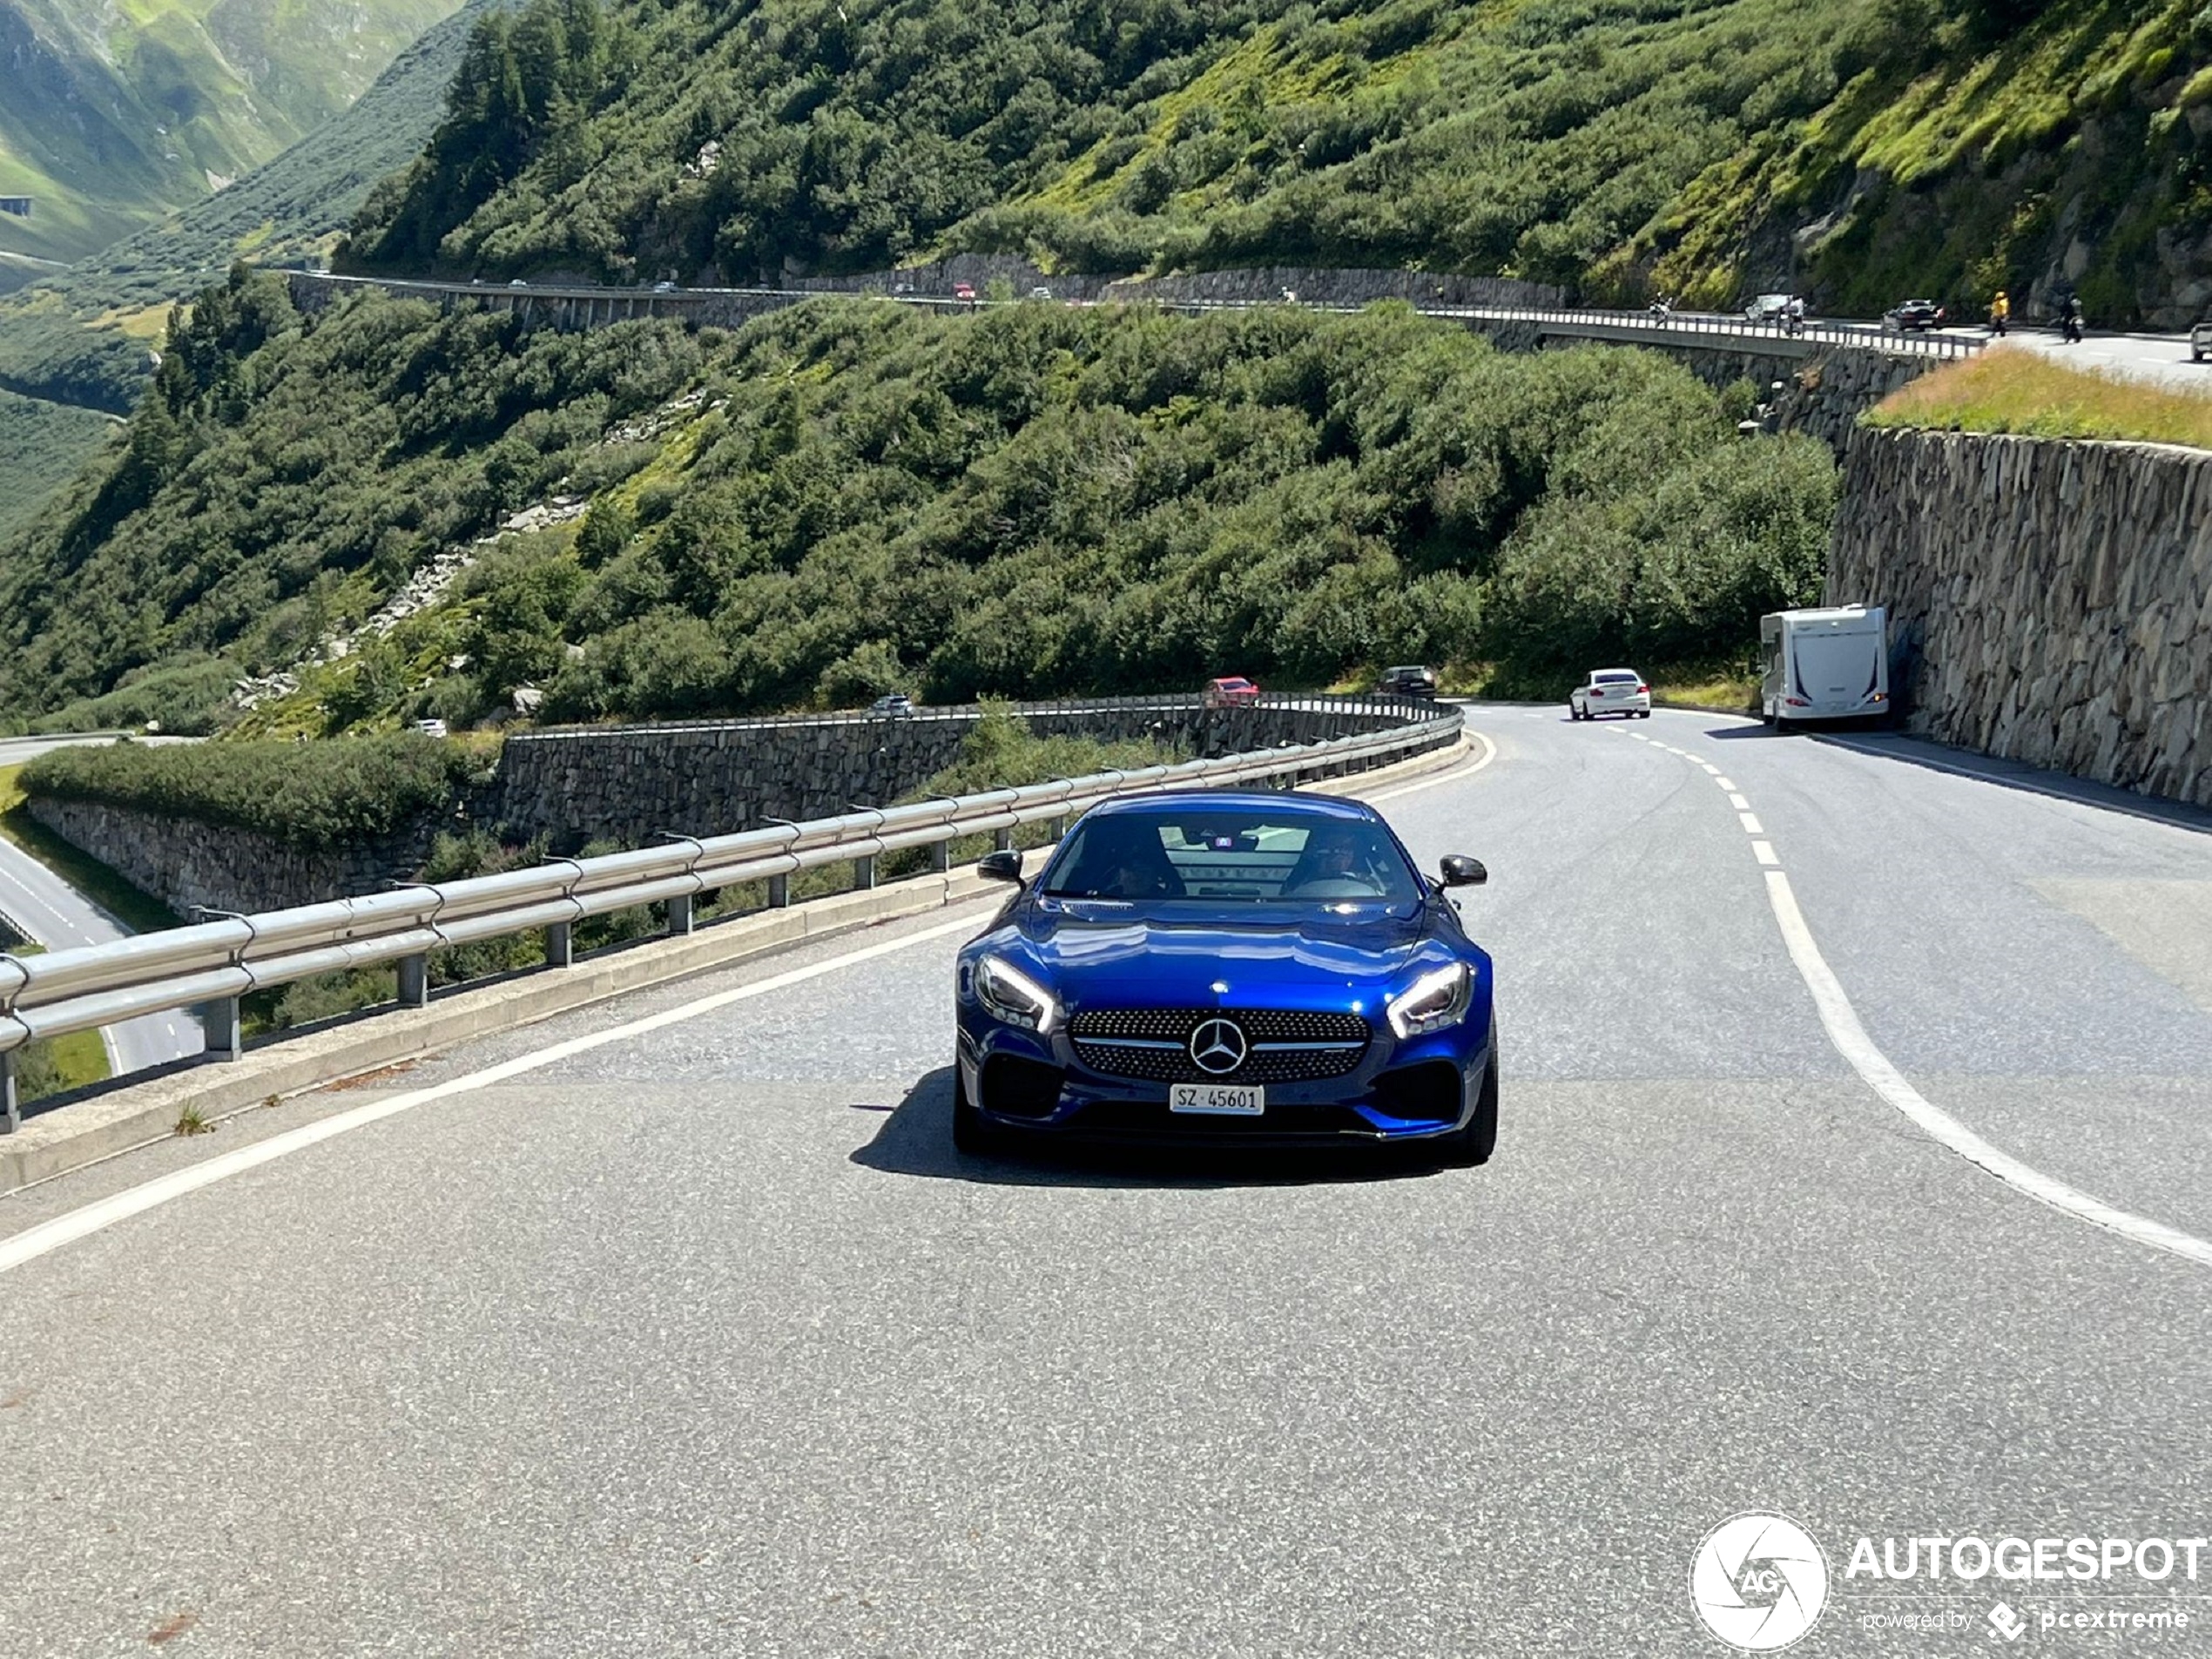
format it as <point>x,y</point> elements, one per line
<point>1438,998</point>
<point>1014,997</point>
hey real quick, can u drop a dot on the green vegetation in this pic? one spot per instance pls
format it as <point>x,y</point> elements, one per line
<point>1937,146</point>
<point>81,335</point>
<point>322,795</point>
<point>43,445</point>
<point>2010,389</point>
<point>116,114</point>
<point>852,496</point>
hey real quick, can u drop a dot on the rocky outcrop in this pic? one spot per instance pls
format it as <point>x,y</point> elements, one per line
<point>2050,603</point>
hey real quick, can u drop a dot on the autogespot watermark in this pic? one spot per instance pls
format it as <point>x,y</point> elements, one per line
<point>1760,1583</point>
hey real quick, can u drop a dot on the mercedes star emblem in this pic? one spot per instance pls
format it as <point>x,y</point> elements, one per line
<point>1218,1046</point>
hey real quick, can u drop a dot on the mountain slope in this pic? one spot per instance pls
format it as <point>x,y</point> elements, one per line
<point>83,334</point>
<point>1717,146</point>
<point>114,115</point>
<point>845,496</point>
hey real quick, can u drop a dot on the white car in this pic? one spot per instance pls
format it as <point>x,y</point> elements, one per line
<point>1768,308</point>
<point>2201,342</point>
<point>1610,691</point>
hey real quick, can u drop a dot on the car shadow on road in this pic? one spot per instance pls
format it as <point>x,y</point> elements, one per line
<point>916,1139</point>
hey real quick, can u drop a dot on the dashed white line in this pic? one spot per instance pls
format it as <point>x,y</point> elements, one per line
<point>1840,1020</point>
<point>1723,782</point>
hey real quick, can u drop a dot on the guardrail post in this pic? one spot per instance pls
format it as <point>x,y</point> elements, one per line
<point>11,1107</point>
<point>560,945</point>
<point>1002,840</point>
<point>864,872</point>
<point>415,981</point>
<point>680,922</point>
<point>225,1024</point>
<point>779,891</point>
<point>940,855</point>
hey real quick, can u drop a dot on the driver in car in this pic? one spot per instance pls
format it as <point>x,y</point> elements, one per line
<point>1334,866</point>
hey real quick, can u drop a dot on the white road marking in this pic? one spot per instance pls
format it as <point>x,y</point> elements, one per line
<point>35,1242</point>
<point>1712,771</point>
<point>1851,1040</point>
<point>1739,803</point>
<point>1489,753</point>
<point>1750,824</point>
<point>1763,852</point>
<point>1723,782</point>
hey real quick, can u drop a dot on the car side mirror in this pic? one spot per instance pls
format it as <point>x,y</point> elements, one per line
<point>1003,866</point>
<point>1461,871</point>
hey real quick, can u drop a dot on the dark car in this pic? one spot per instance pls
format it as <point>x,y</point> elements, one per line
<point>1409,680</point>
<point>1201,967</point>
<point>1917,316</point>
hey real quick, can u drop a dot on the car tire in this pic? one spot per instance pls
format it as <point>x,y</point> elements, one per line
<point>1644,714</point>
<point>1472,1142</point>
<point>973,1133</point>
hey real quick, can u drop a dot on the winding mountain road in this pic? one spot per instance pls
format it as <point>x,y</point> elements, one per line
<point>698,1337</point>
<point>57,915</point>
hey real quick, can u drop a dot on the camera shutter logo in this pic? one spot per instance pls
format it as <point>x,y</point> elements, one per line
<point>1758,1581</point>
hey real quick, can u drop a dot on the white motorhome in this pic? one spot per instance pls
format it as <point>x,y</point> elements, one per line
<point>1826,664</point>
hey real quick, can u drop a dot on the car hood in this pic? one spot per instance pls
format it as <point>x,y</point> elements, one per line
<point>1124,955</point>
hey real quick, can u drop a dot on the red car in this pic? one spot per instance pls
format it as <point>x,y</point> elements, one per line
<point>1229,691</point>
<point>964,291</point>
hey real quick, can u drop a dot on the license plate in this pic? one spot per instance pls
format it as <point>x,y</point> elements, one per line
<point>1223,1100</point>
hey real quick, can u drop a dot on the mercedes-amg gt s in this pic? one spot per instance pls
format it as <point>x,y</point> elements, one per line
<point>1228,967</point>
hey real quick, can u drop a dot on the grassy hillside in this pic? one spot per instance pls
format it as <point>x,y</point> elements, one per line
<point>850,495</point>
<point>81,336</point>
<point>116,115</point>
<point>1938,146</point>
<point>43,445</point>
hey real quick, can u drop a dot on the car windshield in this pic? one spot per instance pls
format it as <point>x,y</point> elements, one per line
<point>1250,854</point>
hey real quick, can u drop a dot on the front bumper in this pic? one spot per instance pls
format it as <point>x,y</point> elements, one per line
<point>1415,1089</point>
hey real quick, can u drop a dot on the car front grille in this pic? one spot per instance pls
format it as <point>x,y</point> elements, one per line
<point>1287,1045</point>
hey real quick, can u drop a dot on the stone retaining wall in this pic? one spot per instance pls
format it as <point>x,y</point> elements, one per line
<point>185,864</point>
<point>630,784</point>
<point>2049,602</point>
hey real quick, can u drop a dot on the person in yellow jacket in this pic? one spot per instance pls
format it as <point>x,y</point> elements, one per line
<point>2000,312</point>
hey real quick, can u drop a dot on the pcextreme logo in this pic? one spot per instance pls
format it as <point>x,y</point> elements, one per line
<point>1758,1581</point>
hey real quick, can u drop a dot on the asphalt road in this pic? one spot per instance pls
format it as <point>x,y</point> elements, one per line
<point>57,916</point>
<point>704,1341</point>
<point>2163,359</point>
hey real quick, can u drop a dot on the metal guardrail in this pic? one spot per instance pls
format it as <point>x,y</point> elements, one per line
<point>1354,705</point>
<point>219,962</point>
<point>1672,328</point>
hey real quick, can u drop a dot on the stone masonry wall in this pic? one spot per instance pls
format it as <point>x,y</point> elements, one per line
<point>2049,602</point>
<point>185,864</point>
<point>628,783</point>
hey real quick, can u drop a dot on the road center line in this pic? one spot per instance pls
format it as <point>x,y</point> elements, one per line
<point>1851,1040</point>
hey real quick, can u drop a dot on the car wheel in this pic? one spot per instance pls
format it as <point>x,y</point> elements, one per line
<point>973,1133</point>
<point>1644,714</point>
<point>1472,1142</point>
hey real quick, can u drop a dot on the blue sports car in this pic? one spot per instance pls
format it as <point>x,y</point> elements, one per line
<point>1227,967</point>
